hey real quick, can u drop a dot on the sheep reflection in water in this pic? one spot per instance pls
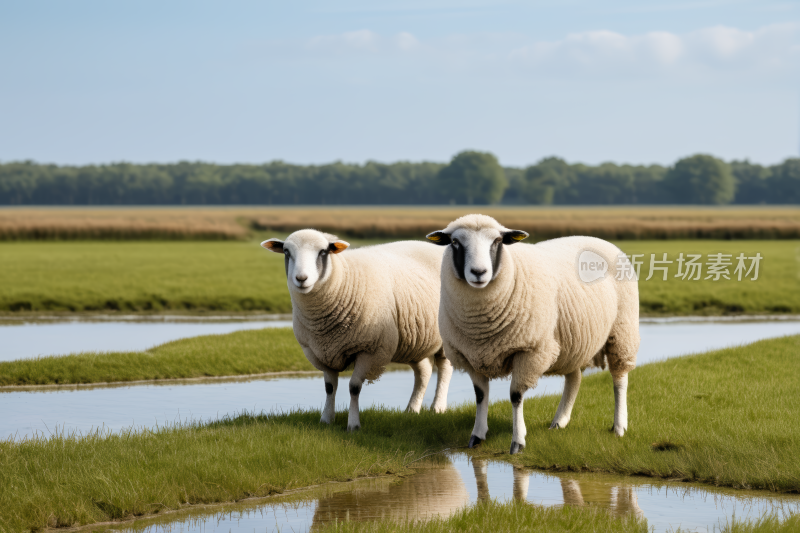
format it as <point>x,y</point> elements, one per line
<point>619,499</point>
<point>429,493</point>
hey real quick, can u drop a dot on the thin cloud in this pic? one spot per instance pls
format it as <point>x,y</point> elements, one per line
<point>363,40</point>
<point>772,50</point>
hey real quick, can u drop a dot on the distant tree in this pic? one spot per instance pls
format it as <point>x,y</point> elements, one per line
<point>700,179</point>
<point>473,177</point>
<point>546,178</point>
<point>784,183</point>
<point>752,185</point>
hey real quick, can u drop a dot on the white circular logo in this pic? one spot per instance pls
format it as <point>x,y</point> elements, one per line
<point>591,266</point>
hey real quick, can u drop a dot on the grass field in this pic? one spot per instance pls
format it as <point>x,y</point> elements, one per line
<point>193,277</point>
<point>505,517</point>
<point>223,223</point>
<point>516,516</point>
<point>234,354</point>
<point>727,418</point>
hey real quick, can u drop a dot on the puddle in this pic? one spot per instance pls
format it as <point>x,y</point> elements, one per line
<point>442,491</point>
<point>40,338</point>
<point>26,413</point>
<point>28,337</point>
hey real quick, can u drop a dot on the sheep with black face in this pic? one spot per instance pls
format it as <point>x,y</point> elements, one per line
<point>370,306</point>
<point>520,309</point>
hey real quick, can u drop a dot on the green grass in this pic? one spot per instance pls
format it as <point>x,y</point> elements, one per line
<point>771,523</point>
<point>63,480</point>
<point>521,516</point>
<point>505,517</point>
<point>233,354</point>
<point>139,276</point>
<point>777,289</point>
<point>728,418</point>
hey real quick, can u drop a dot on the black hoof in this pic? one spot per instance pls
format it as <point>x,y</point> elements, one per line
<point>516,448</point>
<point>474,442</point>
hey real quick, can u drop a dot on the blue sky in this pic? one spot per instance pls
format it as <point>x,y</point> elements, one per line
<point>312,82</point>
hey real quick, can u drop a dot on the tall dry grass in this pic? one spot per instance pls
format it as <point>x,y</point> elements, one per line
<point>119,224</point>
<point>215,223</point>
<point>545,223</point>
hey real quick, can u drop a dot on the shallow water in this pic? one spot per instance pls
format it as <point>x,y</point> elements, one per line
<point>25,413</point>
<point>442,491</point>
<point>41,338</point>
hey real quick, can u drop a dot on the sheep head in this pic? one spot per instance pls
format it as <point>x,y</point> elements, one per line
<point>306,257</point>
<point>475,247</point>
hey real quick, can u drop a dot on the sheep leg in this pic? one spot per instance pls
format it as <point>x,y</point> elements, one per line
<point>620,405</point>
<point>356,381</point>
<point>521,481</point>
<point>479,466</point>
<point>422,375</point>
<point>331,384</point>
<point>444,373</point>
<point>572,383</point>
<point>572,492</point>
<point>526,370</point>
<point>518,436</point>
<point>481,385</point>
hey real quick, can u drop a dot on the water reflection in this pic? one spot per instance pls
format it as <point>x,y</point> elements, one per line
<point>620,500</point>
<point>429,493</point>
<point>443,490</point>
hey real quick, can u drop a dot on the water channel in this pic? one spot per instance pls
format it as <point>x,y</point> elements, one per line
<point>462,482</point>
<point>27,413</point>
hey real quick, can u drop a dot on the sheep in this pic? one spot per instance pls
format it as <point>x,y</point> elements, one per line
<point>370,307</point>
<point>521,309</point>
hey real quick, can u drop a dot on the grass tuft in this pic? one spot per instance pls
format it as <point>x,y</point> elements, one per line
<point>508,517</point>
<point>232,354</point>
<point>665,446</point>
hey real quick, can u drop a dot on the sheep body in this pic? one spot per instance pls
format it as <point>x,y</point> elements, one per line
<point>534,316</point>
<point>381,300</point>
<point>367,307</point>
<point>543,298</point>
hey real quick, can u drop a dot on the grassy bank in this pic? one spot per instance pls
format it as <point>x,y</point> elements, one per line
<point>726,418</point>
<point>393,222</point>
<point>505,517</point>
<point>524,517</point>
<point>234,354</point>
<point>199,277</point>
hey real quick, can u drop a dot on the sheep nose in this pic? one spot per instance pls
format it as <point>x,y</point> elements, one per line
<point>477,273</point>
<point>301,279</point>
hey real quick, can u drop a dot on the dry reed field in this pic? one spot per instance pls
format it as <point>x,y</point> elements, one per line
<point>111,223</point>
<point>651,222</point>
<point>223,223</point>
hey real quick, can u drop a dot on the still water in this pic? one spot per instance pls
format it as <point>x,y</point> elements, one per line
<point>26,413</point>
<point>56,337</point>
<point>462,482</point>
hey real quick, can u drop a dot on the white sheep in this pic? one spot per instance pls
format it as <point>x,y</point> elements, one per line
<point>370,307</point>
<point>523,310</point>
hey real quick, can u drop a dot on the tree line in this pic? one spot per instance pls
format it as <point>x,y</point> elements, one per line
<point>469,178</point>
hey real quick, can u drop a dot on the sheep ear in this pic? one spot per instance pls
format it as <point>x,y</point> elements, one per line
<point>514,235</point>
<point>338,246</point>
<point>273,245</point>
<point>439,237</point>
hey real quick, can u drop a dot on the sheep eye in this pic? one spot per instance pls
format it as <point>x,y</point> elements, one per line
<point>498,240</point>
<point>286,253</point>
<point>323,252</point>
<point>456,243</point>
